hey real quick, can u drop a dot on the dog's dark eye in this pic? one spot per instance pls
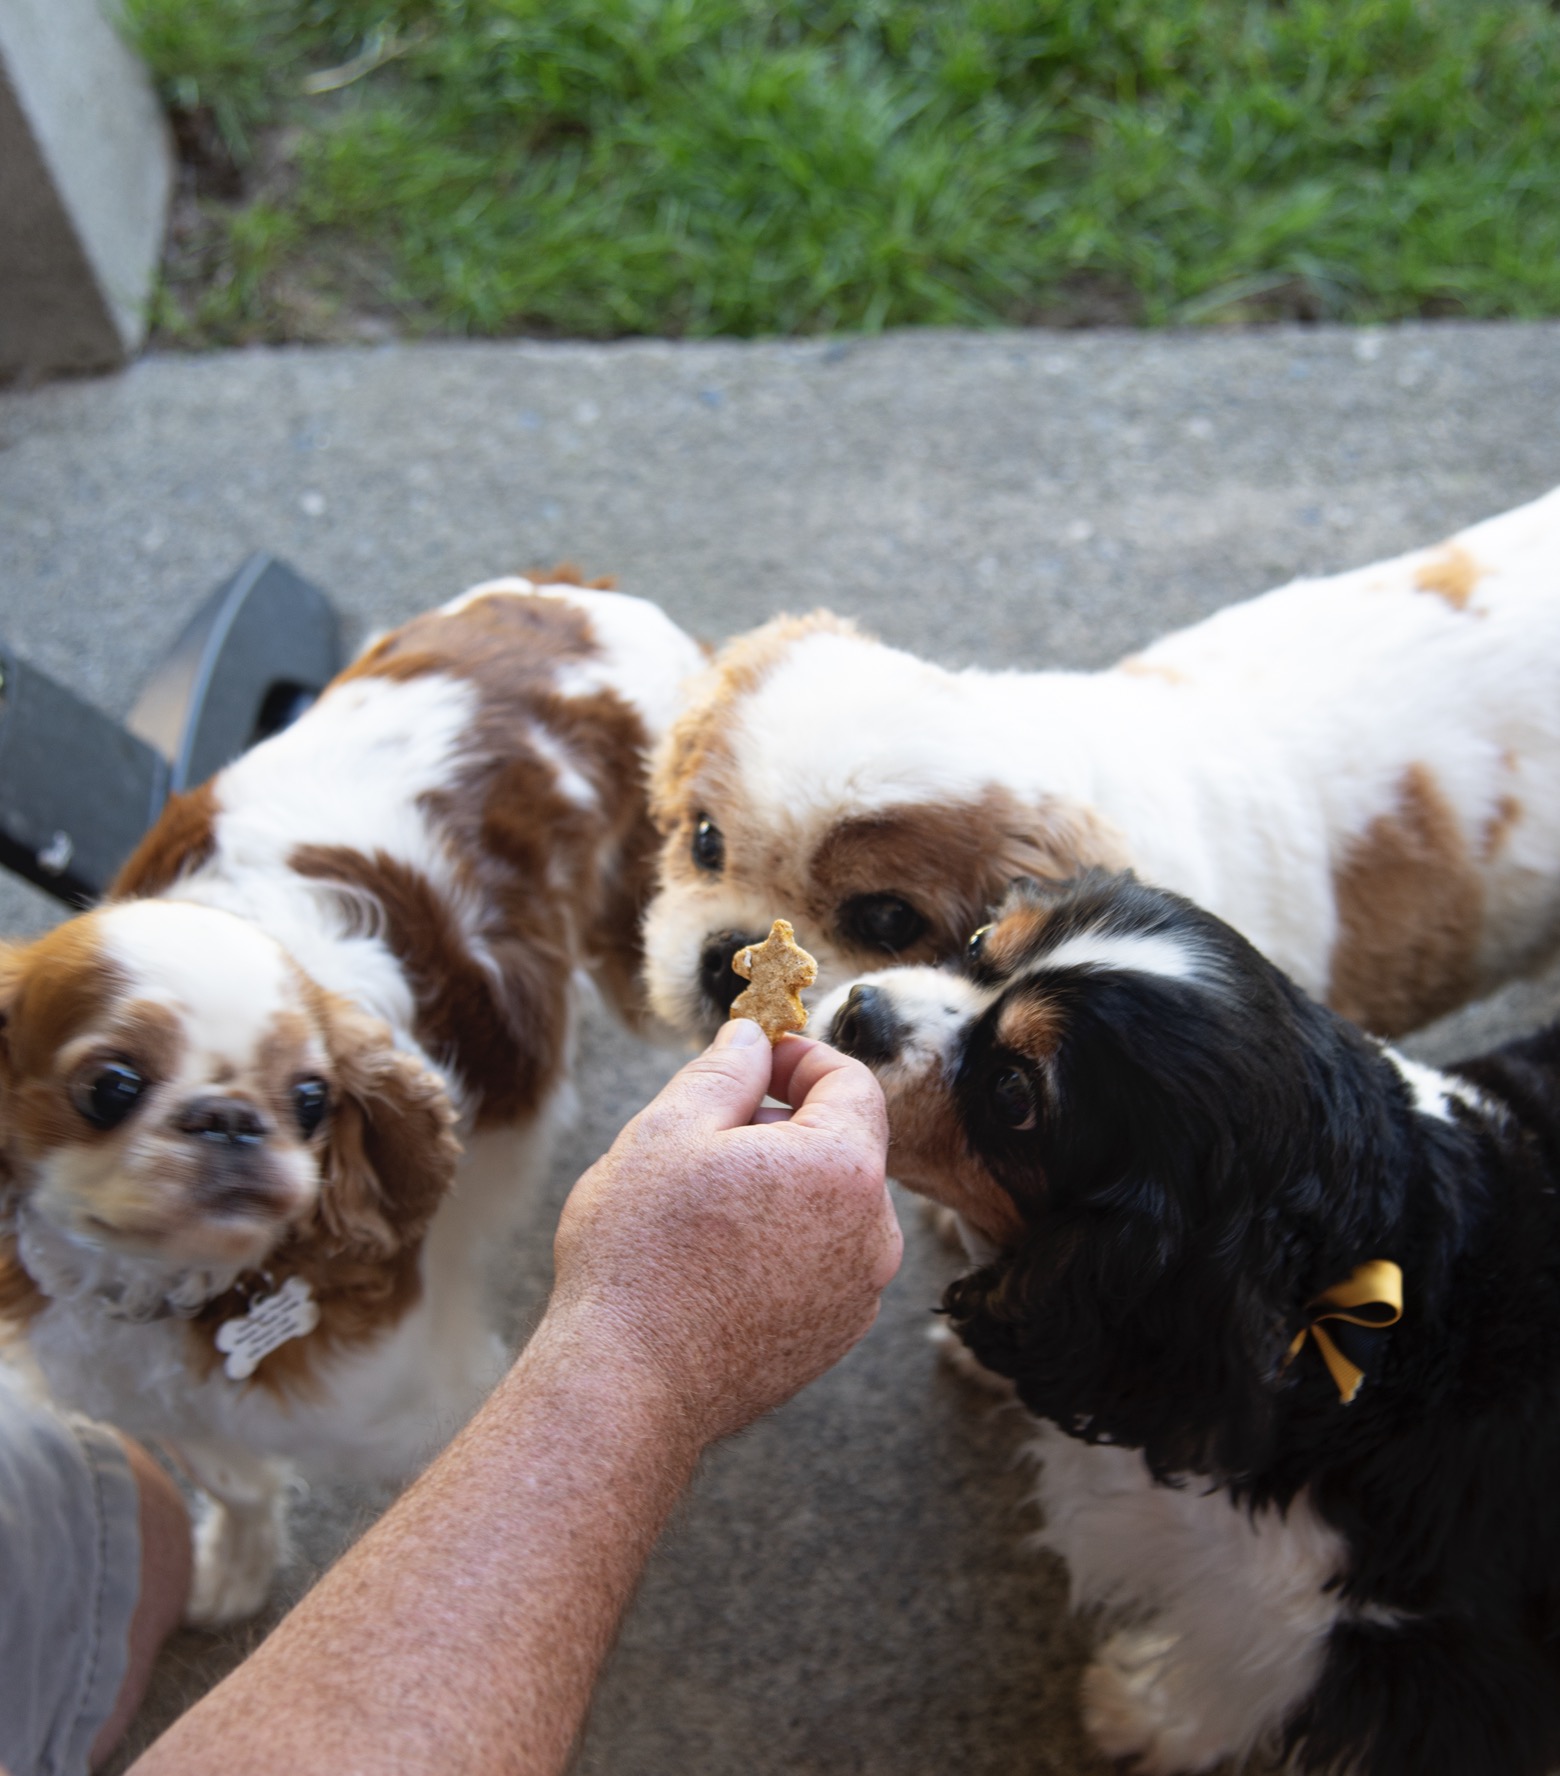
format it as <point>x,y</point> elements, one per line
<point>1013,1098</point>
<point>976,944</point>
<point>709,848</point>
<point>881,922</point>
<point>109,1095</point>
<point>310,1100</point>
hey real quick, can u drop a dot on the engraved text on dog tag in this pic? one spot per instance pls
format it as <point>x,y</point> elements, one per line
<point>270,1322</point>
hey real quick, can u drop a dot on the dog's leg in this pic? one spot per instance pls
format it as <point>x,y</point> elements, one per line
<point>1236,1642</point>
<point>239,1531</point>
<point>1226,1614</point>
<point>1135,1705</point>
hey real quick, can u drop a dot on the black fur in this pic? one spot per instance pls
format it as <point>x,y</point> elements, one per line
<point>1205,1160</point>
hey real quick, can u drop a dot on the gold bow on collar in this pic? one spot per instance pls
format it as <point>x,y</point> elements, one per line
<point>1371,1296</point>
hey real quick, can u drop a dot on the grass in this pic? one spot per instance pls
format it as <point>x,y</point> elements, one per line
<point>606,167</point>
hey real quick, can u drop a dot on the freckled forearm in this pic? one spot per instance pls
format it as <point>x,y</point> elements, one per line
<point>464,1632</point>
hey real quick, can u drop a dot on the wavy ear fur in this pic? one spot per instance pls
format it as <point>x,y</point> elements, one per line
<point>1225,1156</point>
<point>391,1148</point>
<point>1056,841</point>
<point>1180,1368</point>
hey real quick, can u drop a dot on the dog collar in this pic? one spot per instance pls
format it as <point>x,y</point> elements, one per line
<point>1369,1300</point>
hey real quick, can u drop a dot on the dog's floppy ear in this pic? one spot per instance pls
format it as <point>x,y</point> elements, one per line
<point>1166,1369</point>
<point>989,845</point>
<point>1055,840</point>
<point>390,1144</point>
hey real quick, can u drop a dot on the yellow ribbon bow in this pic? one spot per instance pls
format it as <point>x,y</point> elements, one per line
<point>1371,1296</point>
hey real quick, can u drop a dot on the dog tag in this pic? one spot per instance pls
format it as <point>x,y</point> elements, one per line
<point>271,1322</point>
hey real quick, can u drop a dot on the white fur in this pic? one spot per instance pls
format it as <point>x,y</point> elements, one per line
<point>1429,1089</point>
<point>1128,951</point>
<point>1434,1092</point>
<point>1224,1613</point>
<point>1238,760</point>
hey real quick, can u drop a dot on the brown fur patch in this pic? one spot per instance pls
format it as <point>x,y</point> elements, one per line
<point>1497,829</point>
<point>279,1053</point>
<point>1031,1026</point>
<point>700,735</point>
<point>502,1036</point>
<point>1451,575</point>
<point>55,987</point>
<point>531,635</point>
<point>21,1299</point>
<point>50,991</point>
<point>1410,904</point>
<point>151,1034</point>
<point>181,839</point>
<point>1014,938</point>
<point>954,861</point>
<point>929,1154</point>
<point>59,988</point>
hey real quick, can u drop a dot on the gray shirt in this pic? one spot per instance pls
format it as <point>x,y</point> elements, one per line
<point>70,1572</point>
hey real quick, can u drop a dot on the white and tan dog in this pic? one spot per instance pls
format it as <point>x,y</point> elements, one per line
<point>1361,774</point>
<point>234,1213</point>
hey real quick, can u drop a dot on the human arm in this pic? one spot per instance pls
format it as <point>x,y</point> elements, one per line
<point>707,1267</point>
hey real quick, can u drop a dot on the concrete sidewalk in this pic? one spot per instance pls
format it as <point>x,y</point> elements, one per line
<point>847,1590</point>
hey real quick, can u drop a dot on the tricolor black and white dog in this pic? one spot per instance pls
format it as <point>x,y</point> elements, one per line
<point>1321,1529</point>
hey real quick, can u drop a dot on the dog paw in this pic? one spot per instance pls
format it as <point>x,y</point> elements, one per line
<point>956,1355</point>
<point>237,1550</point>
<point>1132,1713</point>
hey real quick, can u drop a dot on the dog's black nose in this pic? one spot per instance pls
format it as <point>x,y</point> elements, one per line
<point>718,980</point>
<point>228,1121</point>
<point>867,1027</point>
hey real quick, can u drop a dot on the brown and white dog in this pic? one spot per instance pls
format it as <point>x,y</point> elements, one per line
<point>1360,773</point>
<point>233,1099</point>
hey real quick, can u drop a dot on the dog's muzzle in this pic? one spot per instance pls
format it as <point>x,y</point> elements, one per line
<point>867,1027</point>
<point>719,982</point>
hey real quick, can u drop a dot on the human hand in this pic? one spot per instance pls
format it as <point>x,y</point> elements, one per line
<point>732,1253</point>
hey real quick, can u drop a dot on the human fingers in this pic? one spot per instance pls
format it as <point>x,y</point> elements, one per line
<point>836,1096</point>
<point>891,1246</point>
<point>827,1089</point>
<point>719,1089</point>
<point>772,1113</point>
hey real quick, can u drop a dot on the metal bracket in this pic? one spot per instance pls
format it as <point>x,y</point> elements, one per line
<point>77,790</point>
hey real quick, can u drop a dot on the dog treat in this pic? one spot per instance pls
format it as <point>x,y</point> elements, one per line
<point>778,968</point>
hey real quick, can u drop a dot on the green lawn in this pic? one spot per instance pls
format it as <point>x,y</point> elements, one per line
<point>604,167</point>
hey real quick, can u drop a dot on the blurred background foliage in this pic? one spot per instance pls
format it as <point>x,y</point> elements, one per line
<point>684,167</point>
